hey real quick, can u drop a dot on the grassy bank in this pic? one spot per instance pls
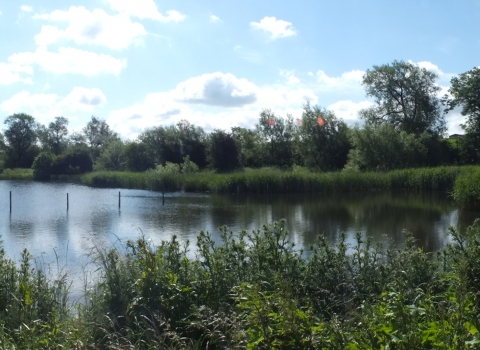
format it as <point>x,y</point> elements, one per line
<point>460,181</point>
<point>256,291</point>
<point>467,188</point>
<point>277,181</point>
<point>16,174</point>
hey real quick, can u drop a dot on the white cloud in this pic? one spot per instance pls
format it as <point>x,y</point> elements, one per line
<point>24,101</point>
<point>69,60</point>
<point>217,89</point>
<point>83,99</point>
<point>215,19</point>
<point>351,80</point>
<point>26,8</point>
<point>290,76</point>
<point>145,9</point>
<point>44,107</point>
<point>454,119</point>
<point>348,110</point>
<point>12,73</point>
<point>90,27</point>
<point>216,100</point>
<point>277,28</point>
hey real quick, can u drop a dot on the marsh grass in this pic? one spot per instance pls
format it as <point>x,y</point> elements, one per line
<point>271,180</point>
<point>16,174</point>
<point>467,188</point>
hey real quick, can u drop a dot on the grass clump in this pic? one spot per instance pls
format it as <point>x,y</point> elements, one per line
<point>467,188</point>
<point>17,174</point>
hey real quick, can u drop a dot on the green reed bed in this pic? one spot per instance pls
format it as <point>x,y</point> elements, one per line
<point>467,188</point>
<point>462,182</point>
<point>16,174</point>
<point>277,181</point>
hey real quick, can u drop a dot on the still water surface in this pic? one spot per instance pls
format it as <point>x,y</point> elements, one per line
<point>40,222</point>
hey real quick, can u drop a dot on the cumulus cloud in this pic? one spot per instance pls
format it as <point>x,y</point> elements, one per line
<point>289,76</point>
<point>214,19</point>
<point>69,60</point>
<point>26,8</point>
<point>348,110</point>
<point>12,73</point>
<point>83,99</point>
<point>351,80</point>
<point>46,106</point>
<point>90,27</point>
<point>217,89</point>
<point>209,101</point>
<point>277,28</point>
<point>144,9</point>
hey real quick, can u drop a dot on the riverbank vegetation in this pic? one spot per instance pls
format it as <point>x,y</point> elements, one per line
<point>253,290</point>
<point>317,152</point>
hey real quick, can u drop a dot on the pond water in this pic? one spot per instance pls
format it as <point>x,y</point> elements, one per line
<point>40,222</point>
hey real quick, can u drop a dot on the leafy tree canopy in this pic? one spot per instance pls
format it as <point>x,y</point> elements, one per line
<point>405,96</point>
<point>465,92</point>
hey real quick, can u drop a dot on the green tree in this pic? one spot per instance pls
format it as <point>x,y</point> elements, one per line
<point>252,151</point>
<point>277,135</point>
<point>222,151</point>
<point>74,160</point>
<point>324,146</point>
<point>383,148</point>
<point>172,143</point>
<point>98,135</point>
<point>465,93</point>
<point>21,135</point>
<point>42,166</point>
<point>405,96</point>
<point>112,157</point>
<point>138,157</point>
<point>57,134</point>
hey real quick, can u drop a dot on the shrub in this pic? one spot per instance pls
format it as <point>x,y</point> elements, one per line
<point>42,166</point>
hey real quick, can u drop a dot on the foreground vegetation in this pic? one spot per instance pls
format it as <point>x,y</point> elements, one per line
<point>253,290</point>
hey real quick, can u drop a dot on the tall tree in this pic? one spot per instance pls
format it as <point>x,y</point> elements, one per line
<point>21,134</point>
<point>98,135</point>
<point>252,152</point>
<point>57,134</point>
<point>278,135</point>
<point>222,151</point>
<point>405,96</point>
<point>465,93</point>
<point>322,139</point>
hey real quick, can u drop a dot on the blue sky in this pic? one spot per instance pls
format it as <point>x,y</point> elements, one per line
<point>144,63</point>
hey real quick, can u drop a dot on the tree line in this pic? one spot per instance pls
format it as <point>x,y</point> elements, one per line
<point>404,128</point>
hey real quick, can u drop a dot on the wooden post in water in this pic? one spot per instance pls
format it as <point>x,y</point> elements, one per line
<point>118,199</point>
<point>67,201</point>
<point>10,201</point>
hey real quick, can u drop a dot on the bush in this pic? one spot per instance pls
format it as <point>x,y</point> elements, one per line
<point>76,160</point>
<point>384,148</point>
<point>42,166</point>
